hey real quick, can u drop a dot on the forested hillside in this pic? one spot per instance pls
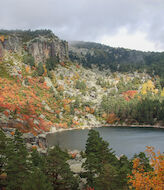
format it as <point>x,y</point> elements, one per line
<point>91,54</point>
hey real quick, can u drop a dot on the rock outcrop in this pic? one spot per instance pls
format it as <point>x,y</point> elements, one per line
<point>42,48</point>
<point>40,44</point>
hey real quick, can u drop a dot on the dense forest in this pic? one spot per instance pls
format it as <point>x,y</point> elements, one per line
<point>28,169</point>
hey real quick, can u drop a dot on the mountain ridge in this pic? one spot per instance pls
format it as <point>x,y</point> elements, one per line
<point>116,59</point>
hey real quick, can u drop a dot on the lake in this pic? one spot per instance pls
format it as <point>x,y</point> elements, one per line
<point>124,140</point>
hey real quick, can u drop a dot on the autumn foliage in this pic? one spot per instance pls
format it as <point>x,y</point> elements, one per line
<point>62,64</point>
<point>142,180</point>
<point>90,188</point>
<point>2,38</point>
<point>89,110</point>
<point>27,68</point>
<point>24,103</point>
<point>111,118</point>
<point>130,94</point>
<point>148,87</point>
<point>73,155</point>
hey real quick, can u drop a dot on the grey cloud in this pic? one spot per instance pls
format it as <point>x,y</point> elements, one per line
<point>86,19</point>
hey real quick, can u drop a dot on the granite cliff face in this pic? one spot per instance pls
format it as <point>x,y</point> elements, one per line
<point>40,44</point>
<point>10,43</point>
<point>42,48</point>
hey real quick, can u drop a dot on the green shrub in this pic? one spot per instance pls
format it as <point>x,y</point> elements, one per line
<point>61,77</point>
<point>49,74</point>
<point>40,69</point>
<point>80,85</point>
<point>51,63</point>
<point>29,60</point>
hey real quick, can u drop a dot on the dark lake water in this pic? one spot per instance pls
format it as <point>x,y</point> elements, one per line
<point>125,140</point>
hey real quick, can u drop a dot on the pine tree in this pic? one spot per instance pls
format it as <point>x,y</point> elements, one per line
<point>3,146</point>
<point>58,170</point>
<point>2,150</point>
<point>17,166</point>
<point>52,62</point>
<point>124,169</point>
<point>38,160</point>
<point>40,69</point>
<point>97,156</point>
<point>108,179</point>
<point>37,181</point>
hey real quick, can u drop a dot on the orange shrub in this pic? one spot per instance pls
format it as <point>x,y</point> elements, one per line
<point>130,94</point>
<point>104,115</point>
<point>112,118</point>
<point>27,69</point>
<point>87,109</point>
<point>12,133</point>
<point>62,64</point>
<point>92,110</point>
<point>6,113</point>
<point>73,155</point>
<point>77,66</point>
<point>2,38</point>
<point>141,180</point>
<point>34,147</point>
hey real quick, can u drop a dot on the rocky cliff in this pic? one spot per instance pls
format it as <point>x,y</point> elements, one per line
<point>41,44</point>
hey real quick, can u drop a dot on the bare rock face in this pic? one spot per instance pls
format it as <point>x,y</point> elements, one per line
<point>42,48</point>
<point>39,44</point>
<point>1,50</point>
<point>11,43</point>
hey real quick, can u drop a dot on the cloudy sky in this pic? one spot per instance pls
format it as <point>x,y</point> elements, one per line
<point>134,24</point>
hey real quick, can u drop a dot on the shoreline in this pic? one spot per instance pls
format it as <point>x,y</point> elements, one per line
<point>54,130</point>
<point>137,126</point>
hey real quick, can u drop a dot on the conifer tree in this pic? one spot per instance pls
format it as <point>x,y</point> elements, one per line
<point>17,166</point>
<point>38,160</point>
<point>58,170</point>
<point>3,145</point>
<point>124,169</point>
<point>37,181</point>
<point>97,156</point>
<point>108,179</point>
<point>40,69</point>
<point>2,150</point>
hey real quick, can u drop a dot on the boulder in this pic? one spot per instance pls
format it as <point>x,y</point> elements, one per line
<point>29,138</point>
